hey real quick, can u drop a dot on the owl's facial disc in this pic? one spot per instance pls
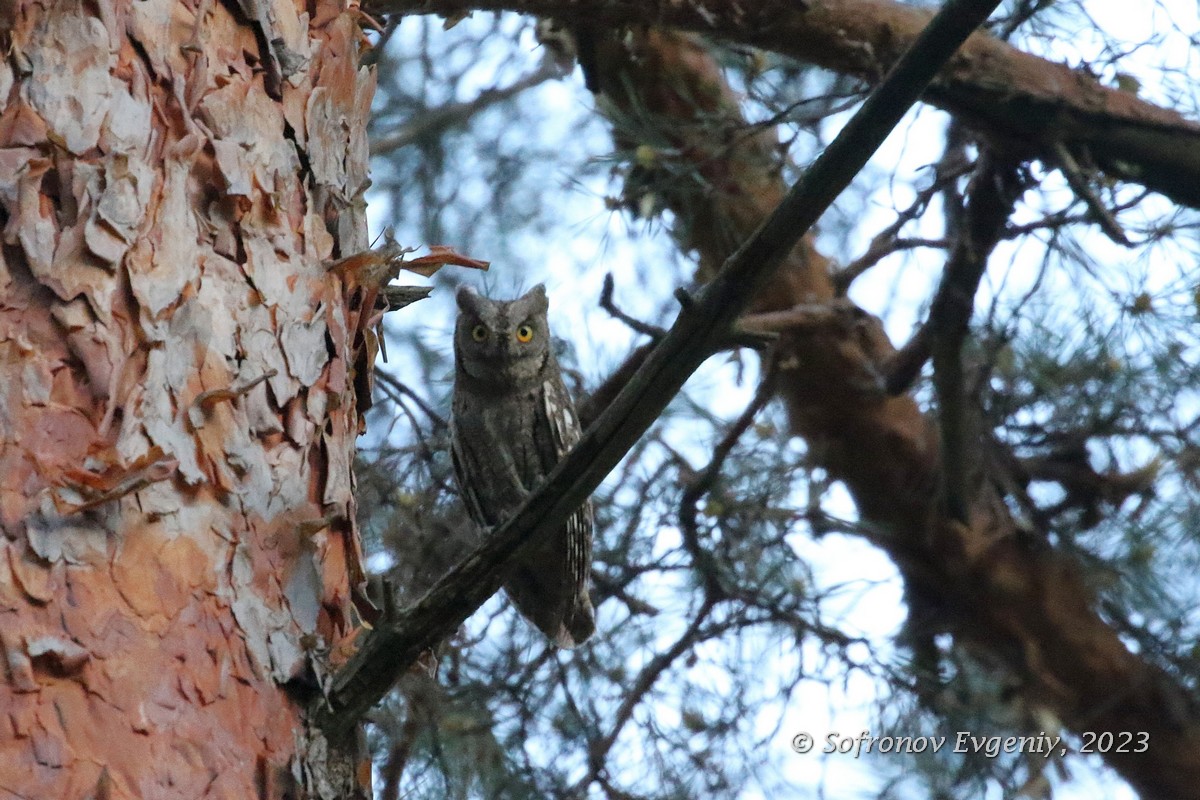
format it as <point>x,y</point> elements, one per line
<point>506,351</point>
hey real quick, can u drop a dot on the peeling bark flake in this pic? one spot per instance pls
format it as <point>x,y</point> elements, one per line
<point>70,85</point>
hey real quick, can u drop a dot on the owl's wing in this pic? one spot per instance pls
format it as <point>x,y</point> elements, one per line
<point>564,422</point>
<point>564,433</point>
<point>460,458</point>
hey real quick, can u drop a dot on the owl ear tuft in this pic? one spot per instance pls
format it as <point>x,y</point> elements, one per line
<point>467,299</point>
<point>537,297</point>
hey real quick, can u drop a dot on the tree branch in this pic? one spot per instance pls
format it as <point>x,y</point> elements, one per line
<point>700,484</point>
<point>598,751</point>
<point>432,122</point>
<point>390,648</point>
<point>990,198</point>
<point>1032,103</point>
<point>608,304</point>
<point>1071,170</point>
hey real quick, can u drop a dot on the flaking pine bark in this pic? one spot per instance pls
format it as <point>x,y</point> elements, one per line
<point>178,414</point>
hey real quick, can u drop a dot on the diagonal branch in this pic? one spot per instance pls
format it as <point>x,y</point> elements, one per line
<point>599,749</point>
<point>392,647</point>
<point>993,190</point>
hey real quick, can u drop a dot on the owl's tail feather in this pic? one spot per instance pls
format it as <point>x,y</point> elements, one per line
<point>579,623</point>
<point>559,608</point>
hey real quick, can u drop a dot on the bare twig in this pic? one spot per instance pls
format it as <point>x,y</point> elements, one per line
<point>610,588</point>
<point>606,303</point>
<point>882,246</point>
<point>704,481</point>
<point>1063,219</point>
<point>433,121</point>
<point>1078,182</point>
<point>905,364</point>
<point>701,484</point>
<point>949,169</point>
<point>598,751</point>
<point>401,388</point>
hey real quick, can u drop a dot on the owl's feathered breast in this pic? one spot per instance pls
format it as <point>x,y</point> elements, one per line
<point>505,443</point>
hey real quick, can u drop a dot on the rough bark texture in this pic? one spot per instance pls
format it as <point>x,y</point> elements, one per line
<point>176,409</point>
<point>1017,603</point>
<point>1026,102</point>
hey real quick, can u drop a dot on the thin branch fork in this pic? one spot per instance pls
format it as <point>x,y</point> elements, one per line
<point>993,191</point>
<point>992,194</point>
<point>393,646</point>
<point>888,241</point>
<point>433,121</point>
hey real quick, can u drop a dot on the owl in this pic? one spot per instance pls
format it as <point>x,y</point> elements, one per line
<point>512,421</point>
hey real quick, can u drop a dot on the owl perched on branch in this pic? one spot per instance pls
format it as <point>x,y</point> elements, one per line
<point>512,422</point>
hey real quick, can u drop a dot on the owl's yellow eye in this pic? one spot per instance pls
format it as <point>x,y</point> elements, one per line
<point>479,333</point>
<point>524,333</point>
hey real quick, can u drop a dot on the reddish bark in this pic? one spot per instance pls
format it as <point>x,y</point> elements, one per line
<point>176,416</point>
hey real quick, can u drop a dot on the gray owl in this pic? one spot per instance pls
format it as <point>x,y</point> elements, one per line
<point>512,422</point>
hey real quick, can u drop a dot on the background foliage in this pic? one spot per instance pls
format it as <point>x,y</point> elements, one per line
<point>738,603</point>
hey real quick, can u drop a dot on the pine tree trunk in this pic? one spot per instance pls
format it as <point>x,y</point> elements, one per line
<point>176,404</point>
